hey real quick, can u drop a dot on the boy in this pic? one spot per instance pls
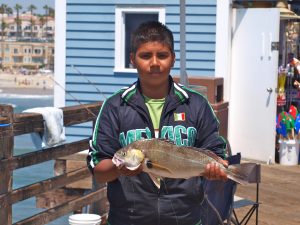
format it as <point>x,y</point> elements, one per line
<point>154,106</point>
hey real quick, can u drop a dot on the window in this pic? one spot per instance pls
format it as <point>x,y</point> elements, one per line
<point>17,59</point>
<point>127,20</point>
<point>37,51</point>
<point>27,50</point>
<point>38,60</point>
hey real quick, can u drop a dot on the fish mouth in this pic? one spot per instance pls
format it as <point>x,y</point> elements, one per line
<point>117,161</point>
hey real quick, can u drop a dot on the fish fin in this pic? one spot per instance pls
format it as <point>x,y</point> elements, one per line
<point>237,179</point>
<point>167,141</point>
<point>213,156</point>
<point>242,173</point>
<point>151,165</point>
<point>156,179</point>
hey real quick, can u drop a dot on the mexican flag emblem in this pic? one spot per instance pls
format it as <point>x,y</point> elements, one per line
<point>179,116</point>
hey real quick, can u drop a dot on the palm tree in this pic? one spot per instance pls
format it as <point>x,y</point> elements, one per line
<point>42,22</point>
<point>3,27</point>
<point>18,20</point>
<point>31,8</point>
<point>51,12</point>
<point>4,9</point>
<point>46,7</point>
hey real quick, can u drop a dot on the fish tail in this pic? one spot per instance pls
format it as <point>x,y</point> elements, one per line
<point>242,173</point>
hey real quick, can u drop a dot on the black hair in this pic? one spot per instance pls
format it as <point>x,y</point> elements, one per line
<point>152,31</point>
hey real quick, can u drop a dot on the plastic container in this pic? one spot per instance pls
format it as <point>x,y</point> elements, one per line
<point>288,152</point>
<point>84,219</point>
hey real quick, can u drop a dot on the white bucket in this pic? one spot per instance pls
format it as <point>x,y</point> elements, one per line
<point>84,219</point>
<point>288,152</point>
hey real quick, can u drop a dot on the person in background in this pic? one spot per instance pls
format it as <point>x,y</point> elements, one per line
<point>294,70</point>
<point>153,107</point>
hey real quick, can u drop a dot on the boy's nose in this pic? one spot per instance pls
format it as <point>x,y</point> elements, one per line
<point>154,61</point>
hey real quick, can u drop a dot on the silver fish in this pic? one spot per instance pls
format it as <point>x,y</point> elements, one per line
<point>162,158</point>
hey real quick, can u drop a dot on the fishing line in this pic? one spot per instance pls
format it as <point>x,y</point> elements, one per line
<point>214,209</point>
<point>210,204</point>
<point>82,75</point>
<point>72,96</point>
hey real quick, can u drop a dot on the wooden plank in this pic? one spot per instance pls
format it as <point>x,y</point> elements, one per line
<point>33,122</point>
<point>278,195</point>
<point>81,113</point>
<point>43,186</point>
<point>43,155</point>
<point>81,183</point>
<point>53,213</point>
<point>28,123</point>
<point>54,198</point>
<point>6,153</point>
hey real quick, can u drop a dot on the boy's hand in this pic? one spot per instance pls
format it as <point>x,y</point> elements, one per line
<point>214,172</point>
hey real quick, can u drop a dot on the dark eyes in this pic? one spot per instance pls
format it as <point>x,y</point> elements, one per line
<point>145,56</point>
<point>123,153</point>
<point>162,55</point>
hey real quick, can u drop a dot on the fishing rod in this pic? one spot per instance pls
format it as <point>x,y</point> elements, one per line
<point>72,96</point>
<point>82,75</point>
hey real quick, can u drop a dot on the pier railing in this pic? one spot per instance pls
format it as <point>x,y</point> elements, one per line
<point>12,125</point>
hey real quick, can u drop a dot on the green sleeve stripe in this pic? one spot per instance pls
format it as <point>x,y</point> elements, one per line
<point>95,133</point>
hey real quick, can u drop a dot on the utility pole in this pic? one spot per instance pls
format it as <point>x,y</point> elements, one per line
<point>183,74</point>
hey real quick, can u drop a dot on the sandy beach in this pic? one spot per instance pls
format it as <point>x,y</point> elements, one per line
<point>26,84</point>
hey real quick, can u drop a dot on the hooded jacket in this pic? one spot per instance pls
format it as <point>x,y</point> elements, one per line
<point>187,119</point>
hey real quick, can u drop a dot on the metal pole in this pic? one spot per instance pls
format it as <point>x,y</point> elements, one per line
<point>183,75</point>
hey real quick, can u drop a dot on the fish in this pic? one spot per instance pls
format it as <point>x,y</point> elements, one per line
<point>161,158</point>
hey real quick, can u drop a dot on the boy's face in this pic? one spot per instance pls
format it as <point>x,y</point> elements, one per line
<point>153,61</point>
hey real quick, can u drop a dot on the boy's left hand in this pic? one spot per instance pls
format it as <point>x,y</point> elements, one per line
<point>214,172</point>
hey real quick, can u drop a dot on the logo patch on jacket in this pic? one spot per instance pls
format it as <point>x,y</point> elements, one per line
<point>179,116</point>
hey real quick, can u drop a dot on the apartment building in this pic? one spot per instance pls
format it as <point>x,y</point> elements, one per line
<point>28,43</point>
<point>31,55</point>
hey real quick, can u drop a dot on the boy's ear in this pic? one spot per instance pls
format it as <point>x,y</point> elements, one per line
<point>132,60</point>
<point>174,59</point>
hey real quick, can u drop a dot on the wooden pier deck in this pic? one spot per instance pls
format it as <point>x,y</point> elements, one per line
<point>279,195</point>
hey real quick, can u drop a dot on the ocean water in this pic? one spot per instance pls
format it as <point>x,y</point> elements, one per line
<point>23,144</point>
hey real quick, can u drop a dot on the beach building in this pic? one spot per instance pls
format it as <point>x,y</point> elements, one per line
<point>27,41</point>
<point>43,27</point>
<point>30,55</point>
<point>220,39</point>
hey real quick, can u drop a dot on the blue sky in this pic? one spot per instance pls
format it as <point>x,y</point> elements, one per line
<point>25,3</point>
